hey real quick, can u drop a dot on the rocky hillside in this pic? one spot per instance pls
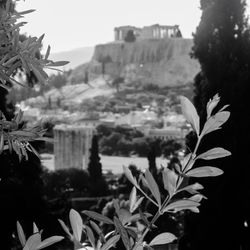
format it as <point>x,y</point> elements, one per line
<point>163,62</point>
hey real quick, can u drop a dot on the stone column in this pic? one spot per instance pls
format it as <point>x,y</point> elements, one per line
<point>88,143</point>
<point>70,145</point>
<point>120,35</point>
<point>166,33</point>
<point>116,35</point>
<point>175,31</point>
<point>154,33</point>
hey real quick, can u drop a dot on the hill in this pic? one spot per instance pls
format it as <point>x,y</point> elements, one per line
<point>76,57</point>
<point>71,95</point>
<point>153,69</point>
<point>164,62</point>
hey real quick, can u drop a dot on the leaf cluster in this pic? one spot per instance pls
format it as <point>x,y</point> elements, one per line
<point>35,242</point>
<point>15,54</point>
<point>14,136</point>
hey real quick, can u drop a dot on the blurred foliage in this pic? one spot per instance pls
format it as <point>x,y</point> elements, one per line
<point>125,141</point>
<point>59,181</point>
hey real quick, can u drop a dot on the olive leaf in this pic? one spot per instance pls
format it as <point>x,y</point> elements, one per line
<point>34,242</point>
<point>162,239</point>
<point>76,224</point>
<point>169,180</point>
<point>96,228</point>
<point>21,234</point>
<point>90,236</point>
<point>152,185</point>
<point>192,189</point>
<point>124,215</point>
<point>181,205</point>
<point>215,122</point>
<point>214,153</point>
<point>212,103</point>
<point>98,217</point>
<point>49,241</point>
<point>111,242</point>
<point>185,161</point>
<point>129,175</point>
<point>206,171</point>
<point>133,202</point>
<point>137,204</point>
<point>190,113</point>
<point>123,233</point>
<point>132,199</point>
<point>65,228</point>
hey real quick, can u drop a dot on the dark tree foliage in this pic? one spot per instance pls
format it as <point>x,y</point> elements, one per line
<point>152,160</point>
<point>222,46</point>
<point>20,182</point>
<point>6,106</point>
<point>130,37</point>
<point>178,33</point>
<point>116,83</point>
<point>21,199</point>
<point>86,77</point>
<point>95,166</point>
<point>104,60</point>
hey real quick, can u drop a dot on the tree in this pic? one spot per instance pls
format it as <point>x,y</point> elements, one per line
<point>178,33</point>
<point>57,80</point>
<point>222,46</point>
<point>86,77</point>
<point>97,183</point>
<point>104,60</point>
<point>20,185</point>
<point>152,160</point>
<point>130,37</point>
<point>19,54</point>
<point>116,83</point>
<point>95,166</point>
<point>170,148</point>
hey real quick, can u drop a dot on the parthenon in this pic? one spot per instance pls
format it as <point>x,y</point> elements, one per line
<point>155,31</point>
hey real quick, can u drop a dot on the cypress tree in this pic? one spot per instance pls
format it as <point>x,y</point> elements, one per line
<point>222,46</point>
<point>95,166</point>
<point>152,160</point>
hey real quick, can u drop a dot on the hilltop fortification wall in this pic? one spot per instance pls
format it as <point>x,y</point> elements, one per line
<point>165,62</point>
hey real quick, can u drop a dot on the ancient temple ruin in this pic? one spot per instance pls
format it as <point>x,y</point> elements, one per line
<point>155,31</point>
<point>71,146</point>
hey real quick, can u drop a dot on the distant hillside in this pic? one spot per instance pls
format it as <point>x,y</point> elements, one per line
<point>164,62</point>
<point>70,95</point>
<point>75,57</point>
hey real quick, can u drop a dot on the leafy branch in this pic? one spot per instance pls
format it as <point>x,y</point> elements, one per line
<point>16,54</point>
<point>132,238</point>
<point>35,242</point>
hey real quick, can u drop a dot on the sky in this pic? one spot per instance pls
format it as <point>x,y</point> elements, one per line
<point>82,23</point>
